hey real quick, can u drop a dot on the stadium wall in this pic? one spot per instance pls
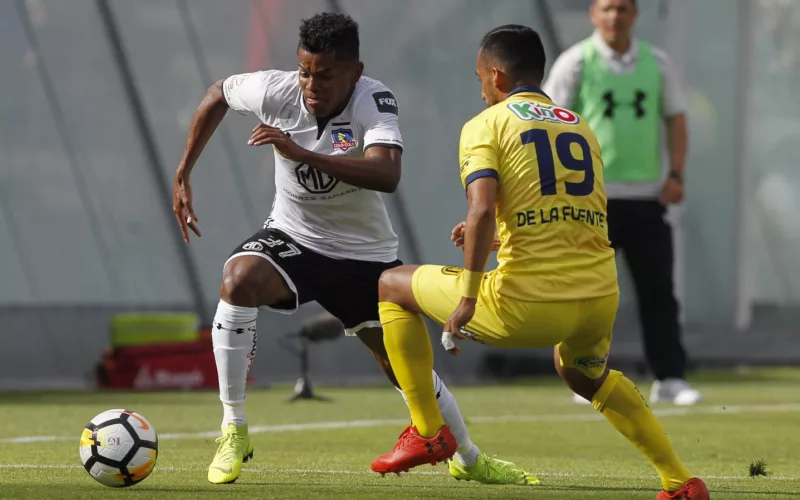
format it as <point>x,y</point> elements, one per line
<point>84,231</point>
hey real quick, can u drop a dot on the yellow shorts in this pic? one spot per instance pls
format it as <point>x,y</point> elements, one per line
<point>581,329</point>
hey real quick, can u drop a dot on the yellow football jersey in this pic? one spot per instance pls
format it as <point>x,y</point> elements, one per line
<point>551,204</point>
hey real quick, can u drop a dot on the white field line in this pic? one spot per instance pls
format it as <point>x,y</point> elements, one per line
<point>348,424</point>
<point>419,473</point>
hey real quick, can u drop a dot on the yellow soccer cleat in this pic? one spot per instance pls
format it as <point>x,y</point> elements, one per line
<point>490,470</point>
<point>235,448</point>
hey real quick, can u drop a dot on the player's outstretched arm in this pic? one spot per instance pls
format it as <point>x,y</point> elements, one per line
<point>378,170</point>
<point>479,228</point>
<point>206,119</point>
<point>479,231</point>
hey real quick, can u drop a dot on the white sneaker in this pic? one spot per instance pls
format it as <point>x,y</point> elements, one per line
<point>580,399</point>
<point>674,390</point>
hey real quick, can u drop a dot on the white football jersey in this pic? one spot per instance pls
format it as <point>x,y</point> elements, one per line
<point>319,211</point>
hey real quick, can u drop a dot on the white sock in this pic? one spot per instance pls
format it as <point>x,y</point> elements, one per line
<point>466,451</point>
<point>234,337</point>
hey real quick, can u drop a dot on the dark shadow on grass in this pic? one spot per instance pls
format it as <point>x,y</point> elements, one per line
<point>461,490</point>
<point>96,397</point>
<point>717,493</point>
<point>94,490</point>
<point>350,486</point>
<point>298,489</point>
<point>630,489</point>
<point>751,494</point>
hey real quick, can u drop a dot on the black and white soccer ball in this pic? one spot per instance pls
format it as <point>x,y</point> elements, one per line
<point>119,448</point>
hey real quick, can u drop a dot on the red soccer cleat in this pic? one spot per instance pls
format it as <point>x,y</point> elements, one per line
<point>413,450</point>
<point>693,489</point>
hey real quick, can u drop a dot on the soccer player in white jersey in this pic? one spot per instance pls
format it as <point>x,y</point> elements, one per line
<point>328,239</point>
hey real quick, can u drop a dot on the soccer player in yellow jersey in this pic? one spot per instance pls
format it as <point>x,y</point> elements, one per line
<point>533,172</point>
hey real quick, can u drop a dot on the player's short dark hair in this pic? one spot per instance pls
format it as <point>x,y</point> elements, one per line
<point>518,49</point>
<point>330,32</point>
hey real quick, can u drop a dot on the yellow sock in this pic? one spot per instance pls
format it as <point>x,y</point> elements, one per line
<point>622,404</point>
<point>411,355</point>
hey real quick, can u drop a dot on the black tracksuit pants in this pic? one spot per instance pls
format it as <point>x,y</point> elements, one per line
<point>638,228</point>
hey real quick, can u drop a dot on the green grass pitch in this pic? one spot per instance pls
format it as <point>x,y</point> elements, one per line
<point>323,450</point>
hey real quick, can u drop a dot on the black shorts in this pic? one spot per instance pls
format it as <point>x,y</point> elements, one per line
<point>348,289</point>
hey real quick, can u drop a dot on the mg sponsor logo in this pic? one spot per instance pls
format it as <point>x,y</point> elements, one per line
<point>315,181</point>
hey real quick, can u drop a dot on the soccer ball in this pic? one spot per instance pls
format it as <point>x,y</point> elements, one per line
<point>119,448</point>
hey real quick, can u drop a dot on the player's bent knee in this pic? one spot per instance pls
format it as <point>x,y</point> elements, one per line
<point>395,286</point>
<point>250,281</point>
<point>386,285</point>
<point>577,381</point>
<point>240,283</point>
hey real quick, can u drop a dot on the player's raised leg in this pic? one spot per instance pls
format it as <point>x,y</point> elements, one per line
<point>408,347</point>
<point>430,438</point>
<point>248,282</point>
<point>581,362</point>
<point>466,451</point>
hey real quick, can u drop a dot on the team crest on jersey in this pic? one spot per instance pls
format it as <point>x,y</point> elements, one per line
<point>535,111</point>
<point>343,139</point>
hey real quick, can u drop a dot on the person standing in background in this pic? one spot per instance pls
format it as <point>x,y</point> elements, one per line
<point>626,89</point>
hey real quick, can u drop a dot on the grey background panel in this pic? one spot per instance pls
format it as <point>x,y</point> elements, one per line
<point>84,232</point>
